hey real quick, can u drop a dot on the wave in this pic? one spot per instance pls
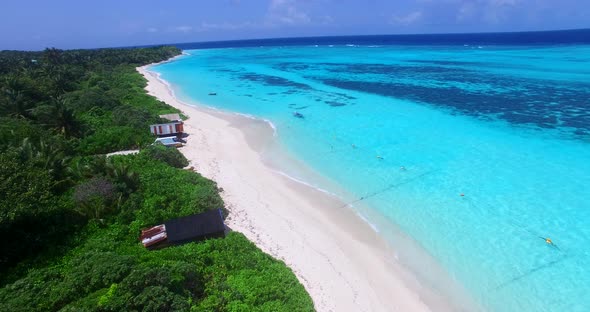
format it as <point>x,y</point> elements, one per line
<point>267,121</point>
<point>298,180</point>
<point>373,226</point>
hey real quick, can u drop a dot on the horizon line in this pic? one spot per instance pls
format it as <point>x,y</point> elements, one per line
<point>312,37</point>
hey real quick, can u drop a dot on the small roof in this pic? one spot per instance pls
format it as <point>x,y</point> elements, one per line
<point>208,224</point>
<point>171,117</point>
<point>197,227</point>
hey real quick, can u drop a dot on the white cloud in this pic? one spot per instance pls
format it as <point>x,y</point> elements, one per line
<point>503,2</point>
<point>184,29</point>
<point>274,4</point>
<point>286,12</point>
<point>488,11</point>
<point>327,20</point>
<point>408,19</point>
<point>152,30</point>
<point>205,26</point>
<point>498,10</point>
<point>466,11</point>
<point>279,13</point>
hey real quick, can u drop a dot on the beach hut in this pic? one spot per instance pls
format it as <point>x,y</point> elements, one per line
<point>171,117</point>
<point>171,141</point>
<point>172,128</point>
<point>183,230</point>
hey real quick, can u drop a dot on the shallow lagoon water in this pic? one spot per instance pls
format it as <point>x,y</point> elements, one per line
<point>477,153</point>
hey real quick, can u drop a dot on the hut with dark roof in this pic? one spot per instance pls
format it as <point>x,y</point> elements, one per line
<point>183,230</point>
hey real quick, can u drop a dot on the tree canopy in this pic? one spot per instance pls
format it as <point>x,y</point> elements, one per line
<point>71,217</point>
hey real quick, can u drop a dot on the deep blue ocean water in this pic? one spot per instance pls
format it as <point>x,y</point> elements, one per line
<point>475,146</point>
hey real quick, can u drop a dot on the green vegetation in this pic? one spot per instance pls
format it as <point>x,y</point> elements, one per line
<point>70,217</point>
<point>170,156</point>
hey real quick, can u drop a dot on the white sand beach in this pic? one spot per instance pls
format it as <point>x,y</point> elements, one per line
<point>340,260</point>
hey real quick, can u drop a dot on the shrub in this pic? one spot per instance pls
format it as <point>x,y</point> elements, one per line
<point>171,156</point>
<point>95,198</point>
<point>114,139</point>
<point>139,118</point>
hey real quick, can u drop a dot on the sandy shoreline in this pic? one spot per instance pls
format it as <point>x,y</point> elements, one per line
<point>340,260</point>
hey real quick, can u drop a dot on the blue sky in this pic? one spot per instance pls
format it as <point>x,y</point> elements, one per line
<point>36,24</point>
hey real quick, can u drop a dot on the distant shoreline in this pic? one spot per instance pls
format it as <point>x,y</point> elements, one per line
<point>338,257</point>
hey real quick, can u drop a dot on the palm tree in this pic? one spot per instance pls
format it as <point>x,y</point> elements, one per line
<point>123,175</point>
<point>59,116</point>
<point>13,102</point>
<point>53,56</point>
<point>96,198</point>
<point>117,171</point>
<point>64,120</point>
<point>79,170</point>
<point>48,157</point>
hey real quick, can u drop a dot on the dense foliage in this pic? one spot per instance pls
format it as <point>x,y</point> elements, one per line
<point>170,156</point>
<point>70,217</point>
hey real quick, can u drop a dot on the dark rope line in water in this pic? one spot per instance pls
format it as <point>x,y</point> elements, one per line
<point>389,187</point>
<point>512,223</point>
<point>530,272</point>
<point>352,146</point>
<point>352,149</point>
<point>339,150</point>
<point>488,210</point>
<point>563,255</point>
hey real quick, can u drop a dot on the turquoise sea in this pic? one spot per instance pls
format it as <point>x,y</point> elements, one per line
<point>476,152</point>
